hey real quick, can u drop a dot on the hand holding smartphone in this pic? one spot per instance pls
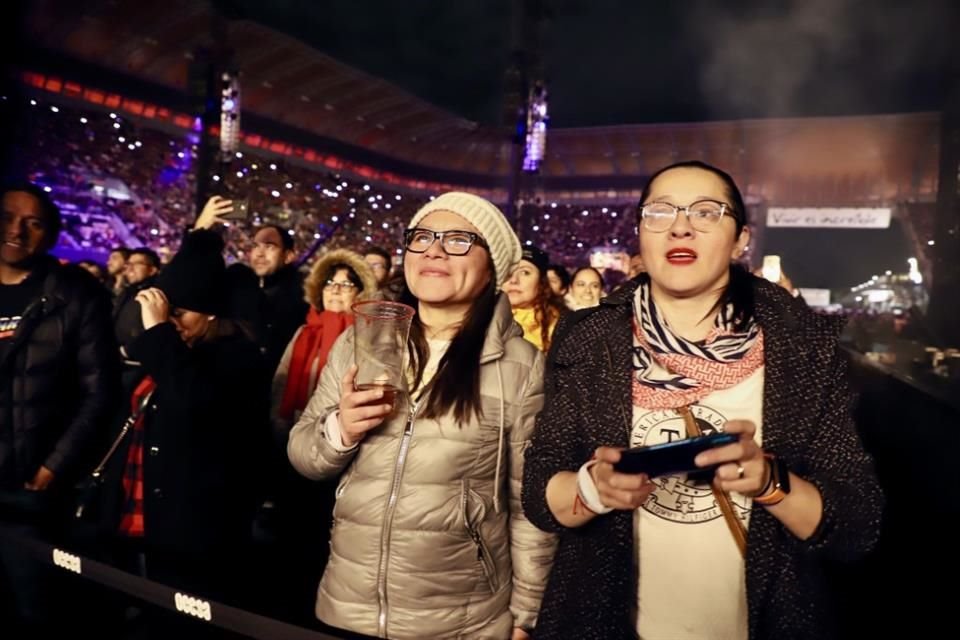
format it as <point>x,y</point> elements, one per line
<point>771,268</point>
<point>239,212</point>
<point>670,457</point>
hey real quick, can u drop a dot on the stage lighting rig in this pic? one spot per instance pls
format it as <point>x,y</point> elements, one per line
<point>229,114</point>
<point>537,120</point>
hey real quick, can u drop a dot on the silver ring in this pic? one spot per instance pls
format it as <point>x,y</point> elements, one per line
<point>740,472</point>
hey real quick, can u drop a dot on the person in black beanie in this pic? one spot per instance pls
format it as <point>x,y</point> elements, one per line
<point>182,484</point>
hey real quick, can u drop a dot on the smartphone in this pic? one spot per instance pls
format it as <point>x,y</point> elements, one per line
<point>240,212</point>
<point>771,268</point>
<point>670,457</point>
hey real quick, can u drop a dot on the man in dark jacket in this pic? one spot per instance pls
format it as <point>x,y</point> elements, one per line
<point>269,296</point>
<point>282,308</point>
<point>58,375</point>
<point>279,309</point>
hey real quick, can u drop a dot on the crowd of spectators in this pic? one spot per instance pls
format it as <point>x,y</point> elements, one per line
<point>122,183</point>
<point>568,232</point>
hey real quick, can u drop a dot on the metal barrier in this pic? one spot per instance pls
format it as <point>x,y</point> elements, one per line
<point>190,605</point>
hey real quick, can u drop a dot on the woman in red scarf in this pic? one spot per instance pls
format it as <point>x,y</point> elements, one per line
<point>336,281</point>
<point>302,509</point>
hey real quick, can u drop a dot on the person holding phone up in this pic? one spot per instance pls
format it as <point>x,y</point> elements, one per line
<point>695,346</point>
<point>276,308</point>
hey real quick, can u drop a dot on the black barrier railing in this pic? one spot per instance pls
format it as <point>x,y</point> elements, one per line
<point>191,606</point>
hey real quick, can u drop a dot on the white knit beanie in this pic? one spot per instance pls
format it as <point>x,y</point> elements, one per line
<point>504,245</point>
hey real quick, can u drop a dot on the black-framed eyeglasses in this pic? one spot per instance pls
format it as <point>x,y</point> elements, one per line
<point>339,286</point>
<point>703,215</point>
<point>453,242</point>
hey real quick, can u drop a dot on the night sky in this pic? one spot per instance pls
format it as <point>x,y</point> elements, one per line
<point>831,258</point>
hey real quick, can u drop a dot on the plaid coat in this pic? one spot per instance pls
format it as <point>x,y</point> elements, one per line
<point>807,421</point>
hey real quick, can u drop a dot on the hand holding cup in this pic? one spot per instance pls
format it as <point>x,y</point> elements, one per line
<point>361,409</point>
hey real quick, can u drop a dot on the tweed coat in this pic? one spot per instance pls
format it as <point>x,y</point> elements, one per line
<point>807,422</point>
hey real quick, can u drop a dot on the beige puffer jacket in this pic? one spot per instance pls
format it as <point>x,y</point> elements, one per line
<point>429,539</point>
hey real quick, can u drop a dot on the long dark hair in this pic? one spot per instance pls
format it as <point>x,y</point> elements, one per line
<point>456,384</point>
<point>561,272</point>
<point>739,291</point>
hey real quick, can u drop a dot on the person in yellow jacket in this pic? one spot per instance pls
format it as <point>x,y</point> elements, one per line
<point>531,298</point>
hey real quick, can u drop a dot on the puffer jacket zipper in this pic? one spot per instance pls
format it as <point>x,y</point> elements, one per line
<point>483,554</point>
<point>388,521</point>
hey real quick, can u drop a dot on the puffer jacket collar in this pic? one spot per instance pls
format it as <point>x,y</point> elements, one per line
<point>502,328</point>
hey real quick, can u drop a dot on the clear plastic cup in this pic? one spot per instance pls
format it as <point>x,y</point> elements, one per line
<point>380,345</point>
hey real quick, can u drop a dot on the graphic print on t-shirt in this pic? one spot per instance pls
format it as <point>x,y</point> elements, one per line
<point>8,326</point>
<point>682,498</point>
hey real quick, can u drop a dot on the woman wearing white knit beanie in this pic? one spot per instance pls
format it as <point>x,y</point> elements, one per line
<point>429,540</point>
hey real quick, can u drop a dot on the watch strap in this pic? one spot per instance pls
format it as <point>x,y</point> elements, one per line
<point>779,485</point>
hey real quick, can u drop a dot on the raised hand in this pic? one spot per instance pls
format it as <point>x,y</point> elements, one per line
<point>154,307</point>
<point>215,207</point>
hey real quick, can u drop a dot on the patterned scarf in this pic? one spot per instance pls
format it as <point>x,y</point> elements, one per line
<point>671,372</point>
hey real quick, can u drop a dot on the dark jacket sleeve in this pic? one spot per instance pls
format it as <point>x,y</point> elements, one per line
<point>98,376</point>
<point>555,446</point>
<point>844,474</point>
<point>166,358</point>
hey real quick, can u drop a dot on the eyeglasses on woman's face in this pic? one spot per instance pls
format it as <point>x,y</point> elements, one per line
<point>703,215</point>
<point>335,285</point>
<point>453,242</point>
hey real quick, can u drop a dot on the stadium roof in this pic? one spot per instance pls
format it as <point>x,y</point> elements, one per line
<point>788,160</point>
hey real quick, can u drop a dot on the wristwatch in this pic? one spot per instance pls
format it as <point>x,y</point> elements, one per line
<point>779,485</point>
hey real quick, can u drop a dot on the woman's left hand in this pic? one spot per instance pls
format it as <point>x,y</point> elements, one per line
<point>519,634</point>
<point>742,467</point>
<point>154,307</point>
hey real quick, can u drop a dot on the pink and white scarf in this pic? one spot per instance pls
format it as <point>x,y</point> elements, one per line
<point>671,372</point>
